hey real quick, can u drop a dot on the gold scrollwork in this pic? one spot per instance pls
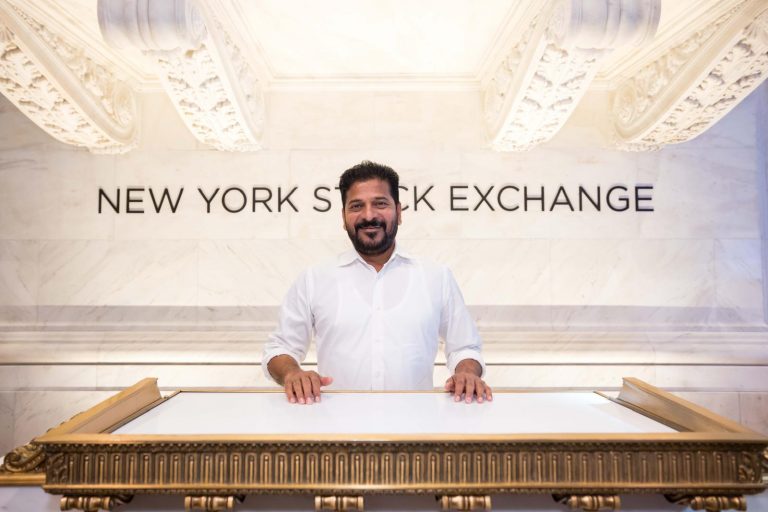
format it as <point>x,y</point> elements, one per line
<point>710,503</point>
<point>338,503</point>
<point>589,503</point>
<point>29,458</point>
<point>464,502</point>
<point>764,466</point>
<point>93,503</point>
<point>211,503</point>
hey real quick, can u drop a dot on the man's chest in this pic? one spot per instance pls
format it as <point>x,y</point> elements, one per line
<point>400,303</point>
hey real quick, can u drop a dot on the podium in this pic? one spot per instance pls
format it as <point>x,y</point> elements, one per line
<point>213,448</point>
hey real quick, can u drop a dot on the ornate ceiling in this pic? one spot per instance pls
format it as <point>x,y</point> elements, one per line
<point>670,68</point>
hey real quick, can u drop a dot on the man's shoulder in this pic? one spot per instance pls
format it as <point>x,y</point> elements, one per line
<point>425,263</point>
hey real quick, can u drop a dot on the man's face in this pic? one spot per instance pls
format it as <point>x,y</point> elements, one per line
<point>371,216</point>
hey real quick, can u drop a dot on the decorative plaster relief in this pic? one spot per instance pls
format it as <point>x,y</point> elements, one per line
<point>680,95</point>
<point>63,90</point>
<point>538,84</point>
<point>214,88</point>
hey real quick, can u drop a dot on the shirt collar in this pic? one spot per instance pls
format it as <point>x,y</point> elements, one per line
<point>351,255</point>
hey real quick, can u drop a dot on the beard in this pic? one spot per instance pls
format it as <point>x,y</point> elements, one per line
<point>367,244</point>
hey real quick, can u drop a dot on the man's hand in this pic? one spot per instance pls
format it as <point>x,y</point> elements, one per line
<point>304,386</point>
<point>466,380</point>
<point>300,386</point>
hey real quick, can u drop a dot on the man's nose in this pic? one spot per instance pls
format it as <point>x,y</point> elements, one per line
<point>369,212</point>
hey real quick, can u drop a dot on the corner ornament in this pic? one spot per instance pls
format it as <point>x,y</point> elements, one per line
<point>61,88</point>
<point>589,503</point>
<point>540,81</point>
<point>29,458</point>
<point>214,88</point>
<point>694,84</point>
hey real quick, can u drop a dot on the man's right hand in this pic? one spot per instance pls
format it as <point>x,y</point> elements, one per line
<point>300,386</point>
<point>304,386</point>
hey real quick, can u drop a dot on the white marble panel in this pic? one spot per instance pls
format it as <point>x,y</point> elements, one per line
<point>656,273</point>
<point>708,378</point>
<point>17,131</point>
<point>37,411</point>
<point>723,403</point>
<point>427,119</point>
<point>20,176</point>
<point>703,193</point>
<point>47,377</point>
<point>234,175</point>
<point>499,272</point>
<point>7,402</point>
<point>161,125</point>
<point>754,411</point>
<point>121,272</point>
<point>739,274</point>
<point>19,273</point>
<point>319,120</point>
<point>117,317</point>
<point>559,376</point>
<point>184,376</point>
<point>256,272</point>
<point>52,194</point>
<point>246,373</point>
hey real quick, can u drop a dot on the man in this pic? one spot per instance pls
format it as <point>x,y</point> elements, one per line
<point>376,312</point>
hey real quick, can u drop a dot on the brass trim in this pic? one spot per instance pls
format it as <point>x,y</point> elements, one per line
<point>687,415</point>
<point>589,503</point>
<point>138,413</point>
<point>118,439</point>
<point>92,503</point>
<point>655,417</point>
<point>589,470</point>
<point>211,503</point>
<point>709,503</point>
<point>464,502</point>
<point>22,479</point>
<point>339,503</point>
<point>110,411</point>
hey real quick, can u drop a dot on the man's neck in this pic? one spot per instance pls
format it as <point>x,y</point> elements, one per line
<point>377,261</point>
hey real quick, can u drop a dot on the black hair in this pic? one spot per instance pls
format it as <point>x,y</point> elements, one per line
<point>367,170</point>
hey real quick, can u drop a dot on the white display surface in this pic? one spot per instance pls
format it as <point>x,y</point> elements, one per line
<point>390,413</point>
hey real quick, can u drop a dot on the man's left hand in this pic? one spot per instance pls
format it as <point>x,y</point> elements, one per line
<point>466,381</point>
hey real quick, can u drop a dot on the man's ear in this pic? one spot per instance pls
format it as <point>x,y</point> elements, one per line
<point>343,220</point>
<point>399,213</point>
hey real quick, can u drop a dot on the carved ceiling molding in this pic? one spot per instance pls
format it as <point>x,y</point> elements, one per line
<point>541,80</point>
<point>61,88</point>
<point>210,82</point>
<point>693,85</point>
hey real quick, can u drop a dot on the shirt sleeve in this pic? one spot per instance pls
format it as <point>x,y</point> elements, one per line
<point>294,327</point>
<point>457,328</point>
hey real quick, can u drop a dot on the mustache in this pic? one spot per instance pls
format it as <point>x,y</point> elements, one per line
<point>370,224</point>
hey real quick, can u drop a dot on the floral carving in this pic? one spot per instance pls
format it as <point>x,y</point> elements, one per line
<point>97,111</point>
<point>724,84</point>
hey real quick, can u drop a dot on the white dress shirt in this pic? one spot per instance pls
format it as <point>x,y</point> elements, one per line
<point>375,330</point>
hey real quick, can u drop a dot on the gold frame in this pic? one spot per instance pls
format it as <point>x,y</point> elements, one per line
<point>709,460</point>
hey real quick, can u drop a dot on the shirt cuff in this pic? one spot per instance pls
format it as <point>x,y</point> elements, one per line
<point>269,355</point>
<point>454,358</point>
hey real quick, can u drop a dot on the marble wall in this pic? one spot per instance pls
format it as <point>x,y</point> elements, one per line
<point>92,302</point>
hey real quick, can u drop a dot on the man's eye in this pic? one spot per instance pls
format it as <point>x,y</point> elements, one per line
<point>354,207</point>
<point>382,204</point>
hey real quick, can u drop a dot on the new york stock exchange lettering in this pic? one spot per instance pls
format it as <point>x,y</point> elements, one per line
<point>502,198</point>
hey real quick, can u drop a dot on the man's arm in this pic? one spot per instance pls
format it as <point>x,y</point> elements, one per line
<point>462,346</point>
<point>300,385</point>
<point>288,345</point>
